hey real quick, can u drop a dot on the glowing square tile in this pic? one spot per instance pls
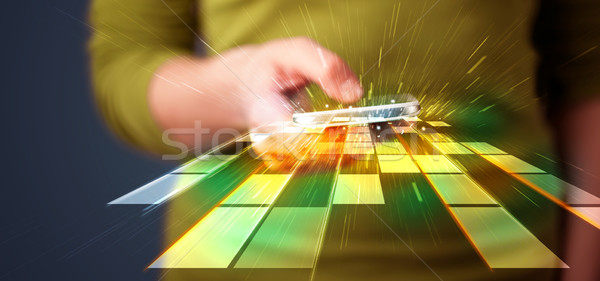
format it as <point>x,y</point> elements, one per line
<point>562,190</point>
<point>358,138</point>
<point>214,241</point>
<point>159,190</point>
<point>503,241</point>
<point>512,164</point>
<point>289,238</point>
<point>436,164</point>
<point>391,147</point>
<point>437,137</point>
<point>459,189</point>
<point>451,148</point>
<point>438,124</point>
<point>328,148</point>
<point>340,119</point>
<point>358,189</point>
<point>358,148</point>
<point>397,164</point>
<point>482,148</point>
<point>258,189</point>
<point>205,164</point>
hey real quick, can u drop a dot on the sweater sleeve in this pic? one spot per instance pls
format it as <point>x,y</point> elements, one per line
<point>130,40</point>
<point>567,37</point>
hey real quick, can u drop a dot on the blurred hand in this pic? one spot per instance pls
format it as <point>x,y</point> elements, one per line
<point>245,87</point>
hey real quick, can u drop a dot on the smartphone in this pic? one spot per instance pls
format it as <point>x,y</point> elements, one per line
<point>408,107</point>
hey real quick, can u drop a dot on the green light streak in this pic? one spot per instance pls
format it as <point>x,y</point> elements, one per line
<point>414,185</point>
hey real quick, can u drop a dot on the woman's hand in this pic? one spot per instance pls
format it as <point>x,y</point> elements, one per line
<point>244,87</point>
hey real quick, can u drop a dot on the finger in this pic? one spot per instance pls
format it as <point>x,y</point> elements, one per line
<point>308,59</point>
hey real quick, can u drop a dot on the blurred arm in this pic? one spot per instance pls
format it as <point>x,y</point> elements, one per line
<point>130,40</point>
<point>147,82</point>
<point>579,141</point>
<point>567,36</point>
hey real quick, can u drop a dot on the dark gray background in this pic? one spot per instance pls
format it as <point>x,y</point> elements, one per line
<point>60,164</point>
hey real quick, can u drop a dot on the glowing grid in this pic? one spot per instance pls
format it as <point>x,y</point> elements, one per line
<point>437,137</point>
<point>310,130</point>
<point>205,164</point>
<point>391,147</point>
<point>512,164</point>
<point>288,238</point>
<point>358,130</point>
<point>503,241</point>
<point>451,148</point>
<point>327,148</point>
<point>358,138</point>
<point>459,189</point>
<point>482,148</point>
<point>358,189</point>
<point>397,164</point>
<point>214,241</point>
<point>159,190</point>
<point>358,148</point>
<point>561,189</point>
<point>258,189</point>
<point>436,164</point>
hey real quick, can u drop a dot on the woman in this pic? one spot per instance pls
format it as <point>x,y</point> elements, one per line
<point>468,61</point>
